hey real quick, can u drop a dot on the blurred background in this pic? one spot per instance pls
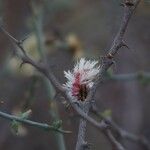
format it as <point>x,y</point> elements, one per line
<point>62,31</point>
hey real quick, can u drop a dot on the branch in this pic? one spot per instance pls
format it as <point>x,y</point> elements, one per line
<point>121,132</point>
<point>107,62</point>
<point>44,70</point>
<point>114,142</point>
<point>81,143</point>
<point>32,123</point>
<point>38,30</point>
<point>118,40</point>
<point>130,77</point>
<point>26,59</point>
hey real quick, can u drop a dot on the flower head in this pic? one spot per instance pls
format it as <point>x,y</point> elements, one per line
<point>81,78</point>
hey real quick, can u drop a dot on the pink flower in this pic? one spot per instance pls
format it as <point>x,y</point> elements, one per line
<point>81,79</point>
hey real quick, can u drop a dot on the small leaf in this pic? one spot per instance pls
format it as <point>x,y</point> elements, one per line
<point>107,113</point>
<point>26,114</point>
<point>57,124</point>
<point>15,126</point>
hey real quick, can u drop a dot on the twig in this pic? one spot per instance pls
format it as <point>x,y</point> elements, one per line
<point>26,59</point>
<point>114,142</point>
<point>53,110</point>
<point>44,70</point>
<point>107,61</point>
<point>32,123</point>
<point>121,132</point>
<point>130,76</point>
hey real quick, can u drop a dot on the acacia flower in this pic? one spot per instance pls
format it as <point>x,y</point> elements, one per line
<point>81,78</point>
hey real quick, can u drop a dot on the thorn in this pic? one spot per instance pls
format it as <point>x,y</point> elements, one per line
<point>110,56</point>
<point>20,66</point>
<point>87,145</point>
<point>124,44</point>
<point>115,64</point>
<point>25,38</point>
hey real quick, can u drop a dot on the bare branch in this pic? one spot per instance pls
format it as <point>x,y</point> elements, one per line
<point>121,132</point>
<point>118,40</point>
<point>130,76</point>
<point>32,123</point>
<point>116,145</point>
<point>26,59</point>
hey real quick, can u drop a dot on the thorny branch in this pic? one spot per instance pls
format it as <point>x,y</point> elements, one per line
<point>46,71</point>
<point>32,123</point>
<point>121,132</point>
<point>106,63</point>
<point>108,59</point>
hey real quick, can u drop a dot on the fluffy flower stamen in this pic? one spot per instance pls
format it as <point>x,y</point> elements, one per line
<point>81,79</point>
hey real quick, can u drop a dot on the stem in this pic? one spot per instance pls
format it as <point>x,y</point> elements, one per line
<point>81,143</point>
<point>31,123</point>
<point>130,76</point>
<point>81,135</point>
<point>50,90</point>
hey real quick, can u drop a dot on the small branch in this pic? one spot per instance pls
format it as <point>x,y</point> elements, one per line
<point>44,70</point>
<point>116,145</point>
<point>32,123</point>
<point>107,61</point>
<point>38,30</point>
<point>135,138</point>
<point>26,59</point>
<point>130,77</point>
<point>121,132</point>
<point>118,40</point>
